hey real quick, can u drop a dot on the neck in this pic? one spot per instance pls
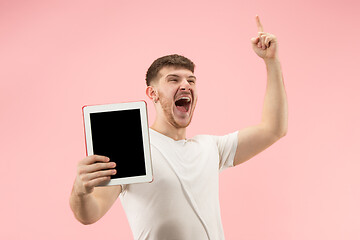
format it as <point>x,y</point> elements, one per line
<point>169,130</point>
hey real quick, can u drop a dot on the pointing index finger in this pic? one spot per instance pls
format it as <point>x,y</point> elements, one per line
<point>258,23</point>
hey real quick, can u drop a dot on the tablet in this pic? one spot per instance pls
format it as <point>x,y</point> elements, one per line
<point>120,131</point>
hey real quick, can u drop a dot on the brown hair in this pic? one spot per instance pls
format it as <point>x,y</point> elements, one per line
<point>174,60</point>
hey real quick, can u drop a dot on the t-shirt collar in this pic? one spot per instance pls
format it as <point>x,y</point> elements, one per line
<point>168,138</point>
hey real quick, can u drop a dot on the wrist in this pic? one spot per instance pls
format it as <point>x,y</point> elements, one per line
<point>272,61</point>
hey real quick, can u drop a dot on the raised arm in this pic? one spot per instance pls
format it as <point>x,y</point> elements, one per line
<point>255,139</point>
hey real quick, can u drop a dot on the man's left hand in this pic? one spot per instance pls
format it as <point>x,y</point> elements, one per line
<point>265,44</point>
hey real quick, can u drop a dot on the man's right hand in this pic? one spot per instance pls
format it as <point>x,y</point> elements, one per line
<point>92,171</point>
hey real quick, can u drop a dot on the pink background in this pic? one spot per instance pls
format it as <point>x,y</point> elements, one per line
<point>56,56</point>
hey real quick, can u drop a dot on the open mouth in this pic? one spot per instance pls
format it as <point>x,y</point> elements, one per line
<point>183,104</point>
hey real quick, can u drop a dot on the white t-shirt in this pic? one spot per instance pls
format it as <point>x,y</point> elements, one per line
<point>182,202</point>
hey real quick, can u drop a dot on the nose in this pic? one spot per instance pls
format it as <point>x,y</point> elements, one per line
<point>185,85</point>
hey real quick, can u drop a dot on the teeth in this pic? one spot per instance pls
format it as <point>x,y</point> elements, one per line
<point>185,98</point>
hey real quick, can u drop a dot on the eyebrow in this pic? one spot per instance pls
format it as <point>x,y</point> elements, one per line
<point>174,75</point>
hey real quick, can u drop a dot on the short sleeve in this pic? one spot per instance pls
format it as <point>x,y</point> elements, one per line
<point>227,145</point>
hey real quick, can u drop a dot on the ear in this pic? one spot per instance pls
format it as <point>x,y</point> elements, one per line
<point>152,93</point>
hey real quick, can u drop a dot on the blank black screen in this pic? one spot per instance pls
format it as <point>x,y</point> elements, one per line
<point>118,135</point>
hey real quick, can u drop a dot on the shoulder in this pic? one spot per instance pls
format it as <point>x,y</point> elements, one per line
<point>217,138</point>
<point>204,138</point>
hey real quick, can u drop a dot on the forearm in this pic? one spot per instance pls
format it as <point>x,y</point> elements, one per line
<point>86,208</point>
<point>275,109</point>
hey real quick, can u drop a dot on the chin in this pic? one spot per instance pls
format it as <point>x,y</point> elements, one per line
<point>181,122</point>
<point>182,119</point>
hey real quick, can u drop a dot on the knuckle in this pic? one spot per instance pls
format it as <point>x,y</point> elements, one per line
<point>99,166</point>
<point>81,162</point>
<point>87,184</point>
<point>95,167</point>
<point>83,179</point>
<point>98,174</point>
<point>80,170</point>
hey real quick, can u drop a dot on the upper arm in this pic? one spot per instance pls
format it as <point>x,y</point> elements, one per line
<point>106,197</point>
<point>253,140</point>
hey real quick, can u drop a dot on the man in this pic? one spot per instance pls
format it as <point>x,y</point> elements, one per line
<point>182,202</point>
